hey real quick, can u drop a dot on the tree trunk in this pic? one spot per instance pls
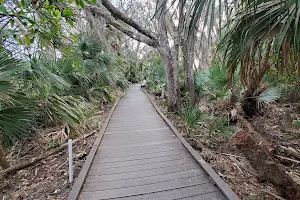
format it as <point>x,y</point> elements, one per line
<point>160,41</point>
<point>3,162</point>
<point>175,58</point>
<point>170,65</point>
<point>188,61</point>
<point>249,100</point>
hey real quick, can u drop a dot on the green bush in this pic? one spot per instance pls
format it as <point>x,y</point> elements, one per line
<point>191,116</point>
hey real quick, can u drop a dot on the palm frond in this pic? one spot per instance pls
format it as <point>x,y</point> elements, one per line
<point>66,109</point>
<point>191,115</point>
<point>271,95</point>
<point>17,112</point>
<point>256,25</point>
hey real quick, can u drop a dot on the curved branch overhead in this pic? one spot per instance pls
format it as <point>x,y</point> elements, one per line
<point>97,10</point>
<point>119,15</point>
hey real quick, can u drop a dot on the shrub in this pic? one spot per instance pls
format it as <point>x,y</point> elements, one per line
<point>191,116</point>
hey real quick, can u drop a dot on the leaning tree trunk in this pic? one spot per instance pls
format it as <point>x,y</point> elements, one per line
<point>188,61</point>
<point>3,162</point>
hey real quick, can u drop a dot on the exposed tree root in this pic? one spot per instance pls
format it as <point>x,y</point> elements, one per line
<point>39,158</point>
<point>259,153</point>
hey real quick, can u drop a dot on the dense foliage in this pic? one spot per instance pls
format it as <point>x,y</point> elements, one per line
<point>48,90</point>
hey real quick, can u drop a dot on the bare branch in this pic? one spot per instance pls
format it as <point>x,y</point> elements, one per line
<point>96,10</point>
<point>119,15</point>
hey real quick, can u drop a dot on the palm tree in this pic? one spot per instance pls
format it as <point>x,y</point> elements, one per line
<point>259,31</point>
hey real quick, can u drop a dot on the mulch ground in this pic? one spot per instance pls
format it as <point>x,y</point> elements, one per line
<point>230,164</point>
<point>47,179</point>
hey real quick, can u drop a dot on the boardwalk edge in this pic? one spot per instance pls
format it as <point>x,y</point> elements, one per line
<point>75,191</point>
<point>225,189</point>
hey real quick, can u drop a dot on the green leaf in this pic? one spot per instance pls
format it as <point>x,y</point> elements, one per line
<point>23,3</point>
<point>57,13</point>
<point>271,95</point>
<point>24,23</point>
<point>12,22</point>
<point>31,21</point>
<point>297,123</point>
<point>94,1</point>
<point>27,40</point>
<point>81,4</point>
<point>47,4</point>
<point>20,41</point>
<point>67,13</point>
<point>70,22</point>
<point>10,32</point>
<point>28,2</point>
<point>3,10</point>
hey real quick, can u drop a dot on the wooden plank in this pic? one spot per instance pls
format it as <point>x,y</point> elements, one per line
<point>130,152</point>
<point>138,131</point>
<point>137,174</point>
<point>83,173</point>
<point>134,124</point>
<point>143,180</point>
<point>134,117</point>
<point>137,161</point>
<point>177,193</point>
<point>138,157</point>
<point>207,196</point>
<point>140,148</point>
<point>133,140</point>
<point>141,155</point>
<point>129,122</point>
<point>226,190</point>
<point>142,161</point>
<point>141,167</point>
<point>135,113</point>
<point>143,189</point>
<point>141,134</point>
<point>104,146</point>
<point>133,128</point>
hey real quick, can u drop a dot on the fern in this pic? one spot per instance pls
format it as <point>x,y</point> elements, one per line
<point>271,95</point>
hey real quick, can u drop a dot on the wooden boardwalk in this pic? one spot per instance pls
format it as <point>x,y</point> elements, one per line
<point>140,157</point>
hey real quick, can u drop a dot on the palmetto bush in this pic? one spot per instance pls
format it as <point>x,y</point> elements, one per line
<point>17,111</point>
<point>48,91</point>
<point>191,116</point>
<point>155,74</point>
<point>212,81</point>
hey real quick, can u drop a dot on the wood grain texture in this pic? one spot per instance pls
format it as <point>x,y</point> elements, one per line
<point>141,157</point>
<point>225,189</point>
